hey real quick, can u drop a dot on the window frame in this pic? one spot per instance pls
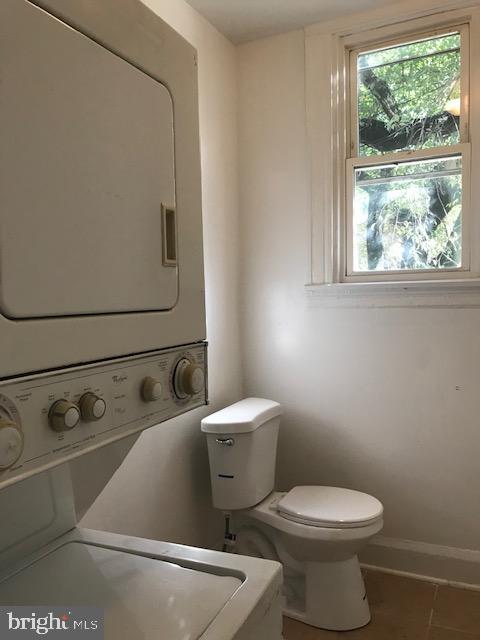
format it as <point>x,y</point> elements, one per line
<point>354,161</point>
<point>327,149</point>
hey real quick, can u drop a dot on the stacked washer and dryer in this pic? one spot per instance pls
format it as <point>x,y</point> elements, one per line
<point>102,322</point>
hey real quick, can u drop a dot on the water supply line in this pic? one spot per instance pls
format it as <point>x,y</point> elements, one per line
<point>229,537</point>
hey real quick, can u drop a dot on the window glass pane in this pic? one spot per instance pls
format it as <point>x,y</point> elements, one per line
<point>409,96</point>
<point>408,216</point>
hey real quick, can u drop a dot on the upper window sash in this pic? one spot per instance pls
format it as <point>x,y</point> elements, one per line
<point>354,53</point>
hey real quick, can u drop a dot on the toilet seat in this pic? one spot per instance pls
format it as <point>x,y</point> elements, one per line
<point>329,507</point>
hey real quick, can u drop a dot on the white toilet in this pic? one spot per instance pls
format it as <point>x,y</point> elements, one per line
<point>315,532</point>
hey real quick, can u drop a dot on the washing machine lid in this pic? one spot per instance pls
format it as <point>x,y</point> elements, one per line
<point>330,507</point>
<point>142,597</point>
<point>242,417</point>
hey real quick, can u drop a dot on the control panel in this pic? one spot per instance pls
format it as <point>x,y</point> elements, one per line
<point>49,418</point>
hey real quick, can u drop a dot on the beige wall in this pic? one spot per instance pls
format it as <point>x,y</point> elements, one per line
<point>162,489</point>
<point>382,400</point>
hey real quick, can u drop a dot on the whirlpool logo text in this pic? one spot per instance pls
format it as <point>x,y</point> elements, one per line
<point>26,622</point>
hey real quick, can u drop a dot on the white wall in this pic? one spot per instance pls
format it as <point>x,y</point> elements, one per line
<point>381,400</point>
<point>162,489</point>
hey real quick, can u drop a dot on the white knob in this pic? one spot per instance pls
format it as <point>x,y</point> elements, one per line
<point>92,407</point>
<point>63,415</point>
<point>11,443</point>
<point>151,389</point>
<point>193,379</point>
<point>189,379</point>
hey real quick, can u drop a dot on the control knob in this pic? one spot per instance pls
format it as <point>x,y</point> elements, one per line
<point>92,407</point>
<point>11,443</point>
<point>63,415</point>
<point>151,389</point>
<point>188,379</point>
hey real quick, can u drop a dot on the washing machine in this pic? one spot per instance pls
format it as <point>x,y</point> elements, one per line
<point>63,434</point>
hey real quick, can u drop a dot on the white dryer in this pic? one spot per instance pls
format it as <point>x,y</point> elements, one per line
<point>100,210</point>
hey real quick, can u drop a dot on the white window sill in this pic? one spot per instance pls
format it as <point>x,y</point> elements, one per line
<point>461,293</point>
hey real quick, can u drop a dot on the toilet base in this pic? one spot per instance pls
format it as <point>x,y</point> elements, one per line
<point>335,596</point>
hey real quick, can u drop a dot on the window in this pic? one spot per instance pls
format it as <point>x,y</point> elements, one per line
<point>407,177</point>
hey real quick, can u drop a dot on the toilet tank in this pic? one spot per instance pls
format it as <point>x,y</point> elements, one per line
<point>242,449</point>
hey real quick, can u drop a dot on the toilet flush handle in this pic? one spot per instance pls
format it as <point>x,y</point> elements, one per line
<point>228,442</point>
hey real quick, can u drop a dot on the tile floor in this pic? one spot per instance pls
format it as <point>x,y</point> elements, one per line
<point>406,609</point>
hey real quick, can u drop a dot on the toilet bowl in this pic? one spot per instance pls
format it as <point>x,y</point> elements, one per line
<point>323,584</point>
<point>314,531</point>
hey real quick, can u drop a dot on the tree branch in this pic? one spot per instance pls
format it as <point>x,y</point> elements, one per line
<point>376,134</point>
<point>381,91</point>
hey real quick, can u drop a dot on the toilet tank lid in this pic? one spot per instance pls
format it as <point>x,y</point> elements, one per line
<point>242,417</point>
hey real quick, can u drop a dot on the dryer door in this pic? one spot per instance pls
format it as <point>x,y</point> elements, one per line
<point>87,177</point>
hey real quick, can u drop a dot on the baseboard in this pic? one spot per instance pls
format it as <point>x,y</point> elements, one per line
<point>420,560</point>
<point>425,561</point>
